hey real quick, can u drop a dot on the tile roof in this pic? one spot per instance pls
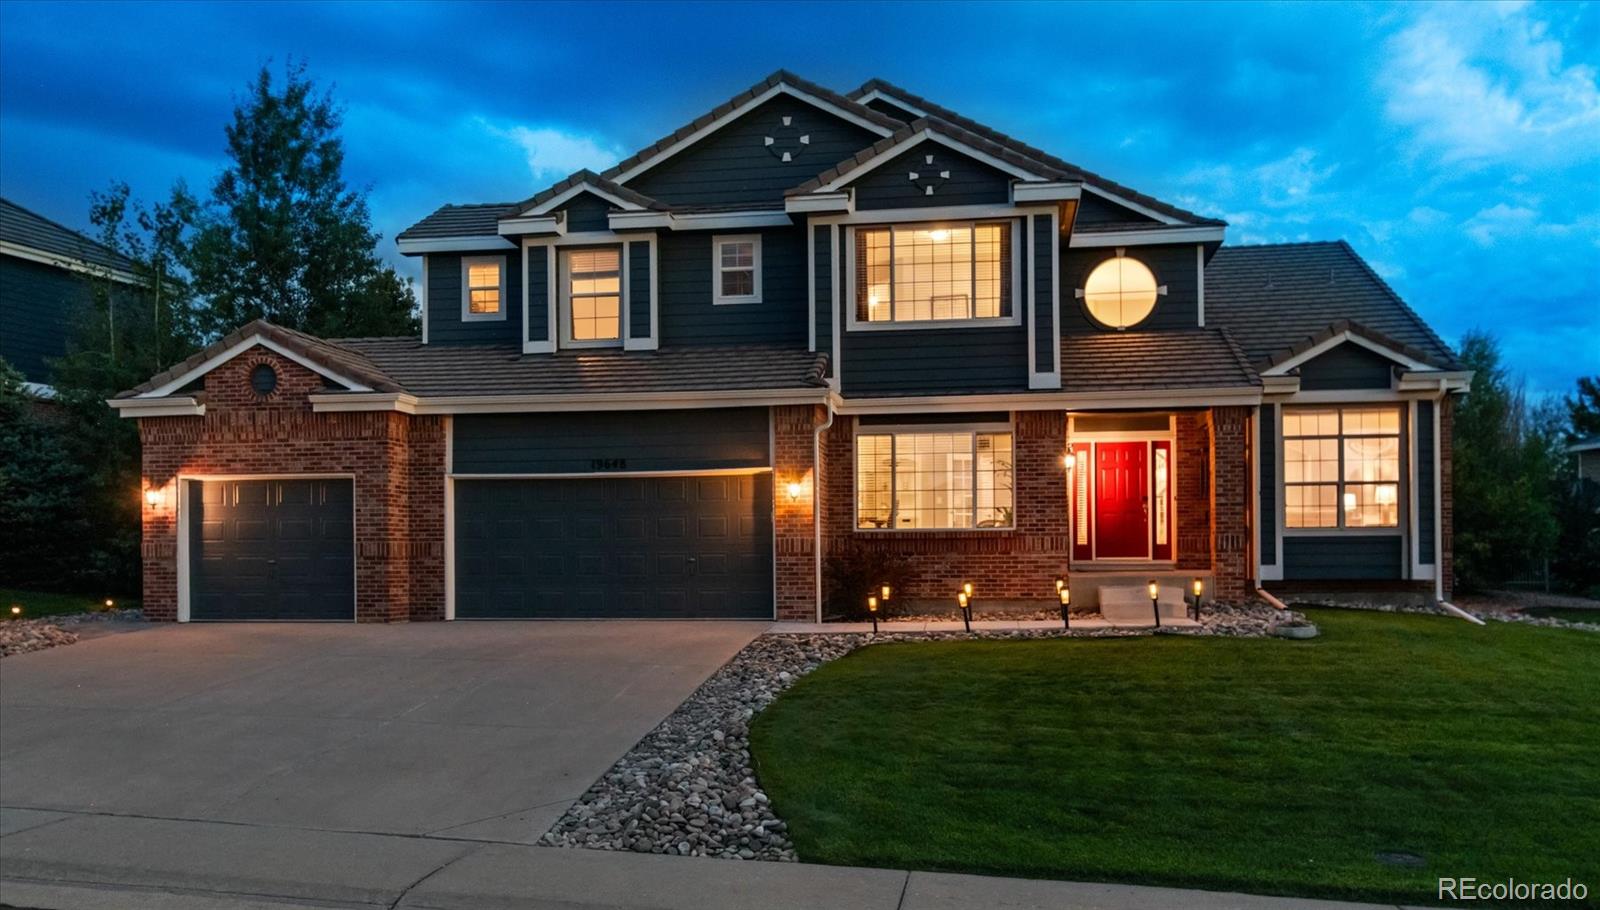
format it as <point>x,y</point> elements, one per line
<point>933,109</point>
<point>27,228</point>
<point>473,220</point>
<point>1131,361</point>
<point>595,180</point>
<point>335,358</point>
<point>966,137</point>
<point>1276,298</point>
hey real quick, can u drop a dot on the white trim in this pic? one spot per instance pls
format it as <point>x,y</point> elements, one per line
<point>650,341</point>
<point>875,94</point>
<point>916,139</point>
<point>1050,378</point>
<point>836,355</point>
<point>1147,236</point>
<point>892,430</point>
<point>578,189</point>
<point>816,508</point>
<point>184,501</point>
<point>500,264</point>
<point>1130,204</point>
<point>1019,295</point>
<point>811,287</point>
<point>449,518</point>
<point>1323,347</point>
<point>717,298</point>
<point>1045,191</point>
<point>454,244</point>
<point>564,301</point>
<point>69,263</point>
<point>820,202</point>
<point>581,475</point>
<point>1254,461</point>
<point>343,402</point>
<point>543,224</point>
<point>1435,381</point>
<point>239,348</point>
<point>739,111</point>
<point>1353,396</point>
<point>700,221</point>
<point>632,221</point>
<point>181,406</point>
<point>423,297</point>
<point>1200,280</point>
<point>1160,399</point>
<point>1438,498</point>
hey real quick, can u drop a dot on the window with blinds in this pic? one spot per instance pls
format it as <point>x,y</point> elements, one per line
<point>483,288</point>
<point>593,296</point>
<point>933,273</point>
<point>934,481</point>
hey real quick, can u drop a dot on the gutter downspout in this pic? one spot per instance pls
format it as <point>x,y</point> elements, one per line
<point>816,501</point>
<point>1262,593</point>
<point>1438,516</point>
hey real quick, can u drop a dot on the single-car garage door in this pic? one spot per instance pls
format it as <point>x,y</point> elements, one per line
<point>271,549</point>
<point>659,547</point>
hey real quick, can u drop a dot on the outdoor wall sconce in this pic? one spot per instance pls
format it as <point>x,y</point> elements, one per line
<point>794,490</point>
<point>964,601</point>
<point>872,611</point>
<point>1196,589</point>
<point>1155,606</point>
<point>153,497</point>
<point>1069,460</point>
<point>1065,593</point>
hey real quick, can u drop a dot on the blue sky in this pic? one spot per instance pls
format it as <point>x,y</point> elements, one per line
<point>1456,146</point>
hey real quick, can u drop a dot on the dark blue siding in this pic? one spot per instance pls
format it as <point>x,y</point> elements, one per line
<point>1174,266</point>
<point>935,361</point>
<point>971,182</point>
<point>539,302</point>
<point>734,164</point>
<point>1424,482</point>
<point>40,309</point>
<point>1344,558</point>
<point>1268,476</point>
<point>1094,210</point>
<point>639,289</point>
<point>587,212</point>
<point>573,443</point>
<point>1348,366</point>
<point>884,106</point>
<point>444,302</point>
<point>1044,243</point>
<point>823,279</point>
<point>688,315</point>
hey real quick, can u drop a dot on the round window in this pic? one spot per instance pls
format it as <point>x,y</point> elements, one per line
<point>264,379</point>
<point>1120,292</point>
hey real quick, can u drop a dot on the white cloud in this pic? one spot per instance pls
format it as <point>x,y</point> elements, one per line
<point>1291,180</point>
<point>553,153</point>
<point>1482,83</point>
<point>1499,221</point>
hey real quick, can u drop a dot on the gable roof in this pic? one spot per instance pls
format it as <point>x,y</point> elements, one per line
<point>328,358</point>
<point>586,179</point>
<point>781,79</point>
<point>890,145</point>
<point>25,228</point>
<point>1278,300</point>
<point>931,109</point>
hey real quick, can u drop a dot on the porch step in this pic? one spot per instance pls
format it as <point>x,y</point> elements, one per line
<point>1131,604</point>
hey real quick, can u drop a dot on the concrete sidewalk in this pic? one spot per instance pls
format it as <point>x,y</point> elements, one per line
<point>59,860</point>
<point>887,627</point>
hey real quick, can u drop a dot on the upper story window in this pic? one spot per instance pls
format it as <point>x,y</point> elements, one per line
<point>591,297</point>
<point>1341,468</point>
<point>1120,292</point>
<point>736,267</point>
<point>915,481</point>
<point>932,273</point>
<point>483,288</point>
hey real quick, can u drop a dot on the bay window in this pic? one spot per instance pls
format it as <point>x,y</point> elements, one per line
<point>930,480</point>
<point>933,272</point>
<point>1341,468</point>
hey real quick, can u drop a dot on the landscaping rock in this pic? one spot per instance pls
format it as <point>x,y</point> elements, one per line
<point>19,636</point>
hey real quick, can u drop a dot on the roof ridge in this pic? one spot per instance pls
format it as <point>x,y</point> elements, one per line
<point>75,233</point>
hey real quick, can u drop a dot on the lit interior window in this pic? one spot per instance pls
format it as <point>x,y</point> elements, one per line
<point>483,287</point>
<point>927,273</point>
<point>594,285</point>
<point>1120,292</point>
<point>1341,468</point>
<point>922,481</point>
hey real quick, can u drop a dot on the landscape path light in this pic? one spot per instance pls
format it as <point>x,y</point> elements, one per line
<point>964,601</point>
<point>1155,605</point>
<point>1065,593</point>
<point>1197,588</point>
<point>872,611</point>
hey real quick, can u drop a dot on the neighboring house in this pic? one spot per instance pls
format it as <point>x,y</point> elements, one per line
<point>1586,456</point>
<point>810,324</point>
<point>49,275</point>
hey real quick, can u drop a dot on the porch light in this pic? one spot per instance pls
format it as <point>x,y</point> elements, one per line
<point>872,611</point>
<point>1069,460</point>
<point>964,601</point>
<point>153,497</point>
<point>794,491</point>
<point>1066,603</point>
<point>1155,604</point>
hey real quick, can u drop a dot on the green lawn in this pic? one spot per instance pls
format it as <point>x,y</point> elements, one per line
<point>37,603</point>
<point>1570,614</point>
<point>1232,764</point>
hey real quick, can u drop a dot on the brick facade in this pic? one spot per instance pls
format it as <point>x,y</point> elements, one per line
<point>396,461</point>
<point>794,538</point>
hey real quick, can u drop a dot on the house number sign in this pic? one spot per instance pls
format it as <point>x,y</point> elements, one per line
<point>608,464</point>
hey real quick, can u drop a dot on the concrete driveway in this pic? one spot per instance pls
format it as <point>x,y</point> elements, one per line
<point>475,731</point>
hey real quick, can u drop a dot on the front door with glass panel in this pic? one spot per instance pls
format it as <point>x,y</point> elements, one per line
<point>1122,500</point>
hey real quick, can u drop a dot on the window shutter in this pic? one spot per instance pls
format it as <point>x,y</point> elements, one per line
<point>1005,269</point>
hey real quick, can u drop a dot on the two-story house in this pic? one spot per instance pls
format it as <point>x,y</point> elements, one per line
<point>810,324</point>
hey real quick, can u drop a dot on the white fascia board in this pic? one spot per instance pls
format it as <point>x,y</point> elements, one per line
<point>340,402</point>
<point>1435,381</point>
<point>453,245</point>
<point>1127,203</point>
<point>1045,191</point>
<point>627,221</point>
<point>239,348</point>
<point>844,201</point>
<point>934,213</point>
<point>557,200</point>
<point>69,263</point>
<point>540,224</point>
<point>700,221</point>
<point>1318,350</point>
<point>916,139</point>
<point>507,404</point>
<point>1052,401</point>
<point>175,406</point>
<point>771,92</point>
<point>1280,385</point>
<point>906,106</point>
<point>1201,234</point>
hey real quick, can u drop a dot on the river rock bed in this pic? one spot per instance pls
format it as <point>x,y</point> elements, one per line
<point>689,788</point>
<point>19,636</point>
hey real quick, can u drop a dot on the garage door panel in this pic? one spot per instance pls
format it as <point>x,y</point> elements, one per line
<point>636,547</point>
<point>272,549</point>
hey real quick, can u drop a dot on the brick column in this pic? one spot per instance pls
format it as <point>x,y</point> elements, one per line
<point>793,520</point>
<point>1193,478</point>
<point>1230,459</point>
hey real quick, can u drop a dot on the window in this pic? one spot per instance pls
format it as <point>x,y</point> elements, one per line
<point>933,480</point>
<point>1120,292</point>
<point>1341,468</point>
<point>928,273</point>
<point>483,288</point>
<point>736,269</point>
<point>592,296</point>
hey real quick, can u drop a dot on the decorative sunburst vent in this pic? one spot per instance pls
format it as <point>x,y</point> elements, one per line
<point>787,142</point>
<point>930,178</point>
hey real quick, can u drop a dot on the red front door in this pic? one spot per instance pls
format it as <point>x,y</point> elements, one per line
<point>1122,499</point>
